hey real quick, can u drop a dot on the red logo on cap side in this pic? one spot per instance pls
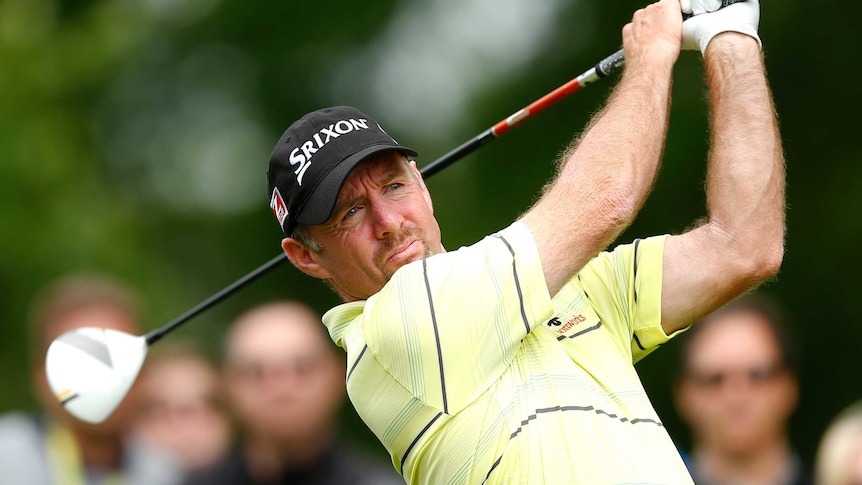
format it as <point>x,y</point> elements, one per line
<point>276,203</point>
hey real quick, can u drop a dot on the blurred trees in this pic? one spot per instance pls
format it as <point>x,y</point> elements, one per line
<point>134,137</point>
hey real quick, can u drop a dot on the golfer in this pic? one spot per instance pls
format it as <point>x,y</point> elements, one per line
<point>511,360</point>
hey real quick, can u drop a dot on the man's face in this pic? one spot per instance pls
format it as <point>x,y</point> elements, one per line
<point>283,378</point>
<point>181,408</point>
<point>737,393</point>
<point>382,220</point>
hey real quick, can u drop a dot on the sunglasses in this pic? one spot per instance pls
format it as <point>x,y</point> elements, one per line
<point>254,370</point>
<point>753,375</point>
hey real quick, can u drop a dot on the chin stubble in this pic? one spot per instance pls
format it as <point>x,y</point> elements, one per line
<point>390,244</point>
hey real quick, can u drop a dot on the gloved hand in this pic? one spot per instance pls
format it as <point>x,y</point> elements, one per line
<point>710,20</point>
<point>697,7</point>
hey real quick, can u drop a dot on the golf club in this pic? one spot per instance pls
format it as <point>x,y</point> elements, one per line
<point>90,370</point>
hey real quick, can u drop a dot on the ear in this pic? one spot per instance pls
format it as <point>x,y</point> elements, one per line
<point>303,258</point>
<point>425,191</point>
<point>791,385</point>
<point>682,399</point>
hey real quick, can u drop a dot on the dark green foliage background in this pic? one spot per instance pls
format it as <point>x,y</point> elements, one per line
<point>63,207</point>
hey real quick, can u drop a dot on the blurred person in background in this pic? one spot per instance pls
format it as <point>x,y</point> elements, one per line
<point>285,383</point>
<point>736,390</point>
<point>181,405</point>
<point>839,454</point>
<point>51,447</point>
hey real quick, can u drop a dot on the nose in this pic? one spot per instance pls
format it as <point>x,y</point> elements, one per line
<point>387,219</point>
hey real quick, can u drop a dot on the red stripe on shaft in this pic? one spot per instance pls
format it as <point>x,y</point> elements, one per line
<point>537,107</point>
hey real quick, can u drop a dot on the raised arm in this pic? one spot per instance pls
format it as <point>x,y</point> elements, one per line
<point>605,176</point>
<point>742,241</point>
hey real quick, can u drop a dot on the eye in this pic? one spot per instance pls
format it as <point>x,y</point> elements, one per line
<point>395,185</point>
<point>350,212</point>
<point>763,374</point>
<point>712,379</point>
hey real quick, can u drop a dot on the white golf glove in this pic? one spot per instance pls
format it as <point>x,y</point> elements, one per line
<point>710,20</point>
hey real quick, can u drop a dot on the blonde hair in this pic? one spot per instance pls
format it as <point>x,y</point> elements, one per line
<point>839,455</point>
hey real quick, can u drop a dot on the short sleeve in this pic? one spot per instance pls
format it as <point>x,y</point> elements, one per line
<point>624,287</point>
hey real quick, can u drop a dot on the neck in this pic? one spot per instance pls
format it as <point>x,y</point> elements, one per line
<point>268,458</point>
<point>341,292</point>
<point>771,464</point>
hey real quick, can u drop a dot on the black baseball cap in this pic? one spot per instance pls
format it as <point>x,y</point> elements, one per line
<point>313,158</point>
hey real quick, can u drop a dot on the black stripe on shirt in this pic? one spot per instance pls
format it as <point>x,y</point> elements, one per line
<point>638,341</point>
<point>353,367</point>
<point>517,284</point>
<point>555,409</point>
<point>436,336</point>
<point>499,459</point>
<point>578,334</point>
<point>416,440</point>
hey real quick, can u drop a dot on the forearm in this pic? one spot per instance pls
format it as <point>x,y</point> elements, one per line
<point>627,138</point>
<point>745,180</point>
<point>742,242</point>
<point>604,176</point>
<point>620,151</point>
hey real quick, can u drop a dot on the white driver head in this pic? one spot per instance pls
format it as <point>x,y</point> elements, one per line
<point>90,370</point>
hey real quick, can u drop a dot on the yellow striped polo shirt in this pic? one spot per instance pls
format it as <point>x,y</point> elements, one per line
<point>468,372</point>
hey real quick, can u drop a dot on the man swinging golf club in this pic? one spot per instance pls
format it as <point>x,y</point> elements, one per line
<point>511,360</point>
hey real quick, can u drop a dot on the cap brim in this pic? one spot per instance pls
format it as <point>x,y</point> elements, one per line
<point>319,206</point>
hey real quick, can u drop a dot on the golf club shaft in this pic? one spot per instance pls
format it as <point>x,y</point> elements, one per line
<point>160,332</point>
<point>604,68</point>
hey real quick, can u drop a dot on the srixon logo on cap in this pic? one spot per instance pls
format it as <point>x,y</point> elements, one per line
<point>279,208</point>
<point>301,155</point>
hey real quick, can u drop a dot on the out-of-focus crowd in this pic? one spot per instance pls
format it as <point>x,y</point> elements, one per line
<point>268,411</point>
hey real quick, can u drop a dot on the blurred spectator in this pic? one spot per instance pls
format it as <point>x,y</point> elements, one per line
<point>839,455</point>
<point>53,448</point>
<point>736,390</point>
<point>285,382</point>
<point>181,405</point>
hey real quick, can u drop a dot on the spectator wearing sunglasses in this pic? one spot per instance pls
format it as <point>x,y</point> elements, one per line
<point>284,381</point>
<point>736,390</point>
